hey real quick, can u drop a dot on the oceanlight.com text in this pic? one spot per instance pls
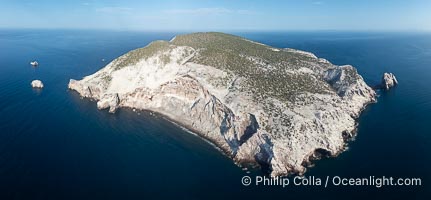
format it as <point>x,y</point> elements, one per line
<point>376,181</point>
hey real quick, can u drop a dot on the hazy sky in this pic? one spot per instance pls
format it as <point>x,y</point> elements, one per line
<point>205,15</point>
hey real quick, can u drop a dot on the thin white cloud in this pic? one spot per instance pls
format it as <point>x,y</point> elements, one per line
<point>114,10</point>
<point>318,2</point>
<point>247,12</point>
<point>199,11</point>
<point>208,11</point>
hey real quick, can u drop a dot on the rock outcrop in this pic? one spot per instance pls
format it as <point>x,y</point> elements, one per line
<point>110,101</point>
<point>37,84</point>
<point>388,81</point>
<point>279,108</point>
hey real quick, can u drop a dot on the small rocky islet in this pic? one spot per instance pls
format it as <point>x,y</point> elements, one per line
<point>278,108</point>
<point>37,84</point>
<point>388,81</point>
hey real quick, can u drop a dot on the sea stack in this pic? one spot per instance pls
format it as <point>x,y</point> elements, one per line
<point>388,81</point>
<point>37,84</point>
<point>34,63</point>
<point>278,108</point>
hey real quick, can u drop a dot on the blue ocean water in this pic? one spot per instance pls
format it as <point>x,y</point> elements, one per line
<point>55,145</point>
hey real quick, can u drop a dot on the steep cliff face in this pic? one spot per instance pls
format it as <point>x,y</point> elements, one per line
<point>275,107</point>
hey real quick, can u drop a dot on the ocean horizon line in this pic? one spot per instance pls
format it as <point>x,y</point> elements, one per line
<point>219,30</point>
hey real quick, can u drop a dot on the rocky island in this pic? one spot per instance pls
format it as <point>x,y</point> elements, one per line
<point>388,81</point>
<point>37,84</point>
<point>278,108</point>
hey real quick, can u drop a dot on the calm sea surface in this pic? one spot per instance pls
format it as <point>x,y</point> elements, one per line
<point>55,145</point>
